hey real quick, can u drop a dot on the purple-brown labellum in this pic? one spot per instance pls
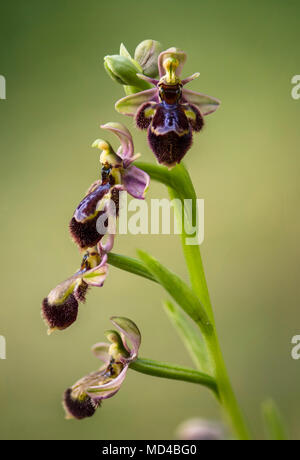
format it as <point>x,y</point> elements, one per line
<point>81,291</point>
<point>169,112</point>
<point>85,234</point>
<point>81,407</point>
<point>83,225</point>
<point>170,124</point>
<point>60,316</point>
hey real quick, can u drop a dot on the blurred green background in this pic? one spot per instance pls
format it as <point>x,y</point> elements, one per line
<point>245,165</point>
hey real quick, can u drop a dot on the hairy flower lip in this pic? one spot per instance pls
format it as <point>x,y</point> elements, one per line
<point>62,315</point>
<point>79,408</point>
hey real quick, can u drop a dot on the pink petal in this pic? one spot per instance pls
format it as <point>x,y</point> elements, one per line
<point>107,390</point>
<point>125,137</point>
<point>153,81</point>
<point>135,182</point>
<point>174,53</point>
<point>101,351</point>
<point>191,78</point>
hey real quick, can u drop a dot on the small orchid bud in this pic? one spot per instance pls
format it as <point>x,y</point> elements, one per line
<point>124,71</point>
<point>80,406</point>
<point>146,54</point>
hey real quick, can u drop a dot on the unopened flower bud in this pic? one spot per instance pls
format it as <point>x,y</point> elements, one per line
<point>124,71</point>
<point>146,54</point>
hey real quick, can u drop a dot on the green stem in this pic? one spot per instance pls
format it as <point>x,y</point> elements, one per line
<point>173,371</point>
<point>197,276</point>
<point>180,186</point>
<point>131,265</point>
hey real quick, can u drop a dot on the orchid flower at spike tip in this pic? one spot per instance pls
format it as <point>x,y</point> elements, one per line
<point>117,173</point>
<point>83,398</point>
<point>170,112</point>
<point>60,307</point>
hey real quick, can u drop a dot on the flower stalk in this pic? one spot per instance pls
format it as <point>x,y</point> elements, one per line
<point>174,372</point>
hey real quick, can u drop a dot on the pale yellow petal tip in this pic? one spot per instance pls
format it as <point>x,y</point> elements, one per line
<point>142,76</point>
<point>100,144</point>
<point>51,330</point>
<point>145,192</point>
<point>136,156</point>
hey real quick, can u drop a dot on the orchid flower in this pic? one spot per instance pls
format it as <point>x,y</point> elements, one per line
<point>168,111</point>
<point>117,173</point>
<point>83,398</point>
<point>60,307</point>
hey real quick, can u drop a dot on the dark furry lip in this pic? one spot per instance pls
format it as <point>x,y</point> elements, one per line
<point>62,315</point>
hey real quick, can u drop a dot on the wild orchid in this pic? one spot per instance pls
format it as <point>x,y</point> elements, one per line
<point>83,398</point>
<point>171,114</point>
<point>117,173</point>
<point>60,307</point>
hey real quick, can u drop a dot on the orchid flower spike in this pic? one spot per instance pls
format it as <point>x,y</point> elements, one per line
<point>82,399</point>
<point>168,111</point>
